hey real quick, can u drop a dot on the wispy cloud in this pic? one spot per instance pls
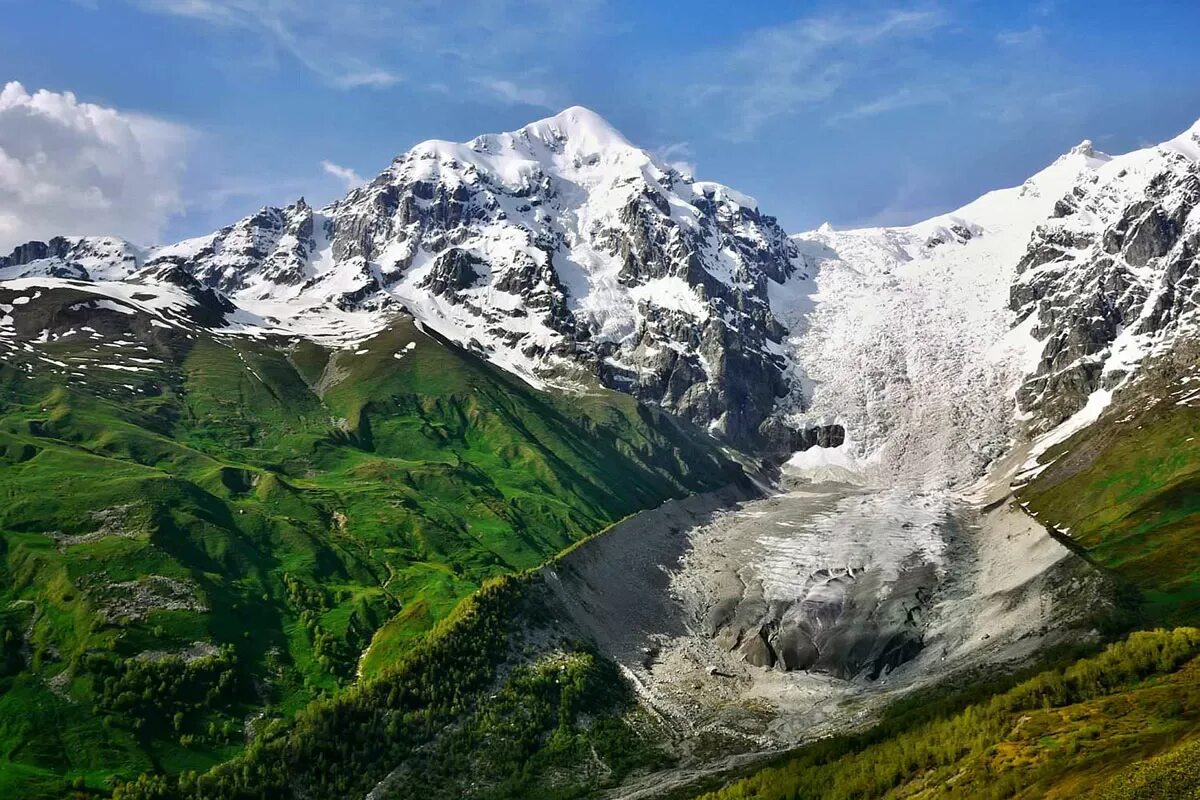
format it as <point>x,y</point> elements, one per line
<point>677,155</point>
<point>789,68</point>
<point>912,198</point>
<point>903,98</point>
<point>507,91</point>
<point>334,46</point>
<point>211,10</point>
<point>346,175</point>
<point>226,196</point>
<point>375,77</point>
<point>362,44</point>
<point>1022,38</point>
<point>841,69</point>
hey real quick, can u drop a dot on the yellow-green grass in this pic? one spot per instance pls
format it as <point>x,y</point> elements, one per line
<point>1058,735</point>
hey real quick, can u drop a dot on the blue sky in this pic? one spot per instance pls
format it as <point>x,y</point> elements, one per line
<point>856,113</point>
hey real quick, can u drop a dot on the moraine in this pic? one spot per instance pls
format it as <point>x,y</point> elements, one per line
<point>773,620</point>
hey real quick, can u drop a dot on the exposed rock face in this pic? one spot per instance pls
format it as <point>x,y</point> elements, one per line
<point>1111,277</point>
<point>565,243</point>
<point>57,248</point>
<point>819,436</point>
<point>78,258</point>
<point>453,271</point>
<point>842,630</point>
<point>265,255</point>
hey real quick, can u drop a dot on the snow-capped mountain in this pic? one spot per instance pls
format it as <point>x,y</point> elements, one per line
<point>556,247</point>
<point>565,254</point>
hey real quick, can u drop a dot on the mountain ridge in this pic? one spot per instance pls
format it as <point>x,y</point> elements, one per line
<point>556,246</point>
<point>561,251</point>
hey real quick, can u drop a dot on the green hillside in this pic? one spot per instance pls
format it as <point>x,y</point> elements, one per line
<point>491,704</point>
<point>199,535</point>
<point>1127,490</point>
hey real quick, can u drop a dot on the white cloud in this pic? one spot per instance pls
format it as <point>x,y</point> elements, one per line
<point>344,174</point>
<point>789,68</point>
<point>677,155</point>
<point>509,92</point>
<point>68,167</point>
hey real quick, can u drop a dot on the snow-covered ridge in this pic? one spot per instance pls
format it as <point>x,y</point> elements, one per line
<point>936,345</point>
<point>561,251</point>
<point>1110,278</point>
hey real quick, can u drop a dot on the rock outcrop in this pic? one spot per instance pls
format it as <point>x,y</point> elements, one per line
<point>1111,277</point>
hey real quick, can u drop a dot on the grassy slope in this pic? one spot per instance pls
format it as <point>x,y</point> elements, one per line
<point>1127,490</point>
<point>298,506</point>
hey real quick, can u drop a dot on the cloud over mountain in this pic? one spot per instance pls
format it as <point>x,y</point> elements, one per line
<point>80,168</point>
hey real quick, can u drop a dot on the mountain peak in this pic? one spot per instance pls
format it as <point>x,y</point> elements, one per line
<point>578,124</point>
<point>1084,148</point>
<point>576,120</point>
<point>1187,142</point>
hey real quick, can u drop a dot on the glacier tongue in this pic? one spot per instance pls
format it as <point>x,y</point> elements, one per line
<point>923,345</point>
<point>905,341</point>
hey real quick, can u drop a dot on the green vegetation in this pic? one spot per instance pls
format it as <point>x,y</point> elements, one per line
<point>462,714</point>
<point>1127,491</point>
<point>166,697</point>
<point>1056,735</point>
<point>1169,776</point>
<point>195,551</point>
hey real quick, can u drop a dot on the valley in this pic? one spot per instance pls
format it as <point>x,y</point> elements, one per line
<point>535,467</point>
